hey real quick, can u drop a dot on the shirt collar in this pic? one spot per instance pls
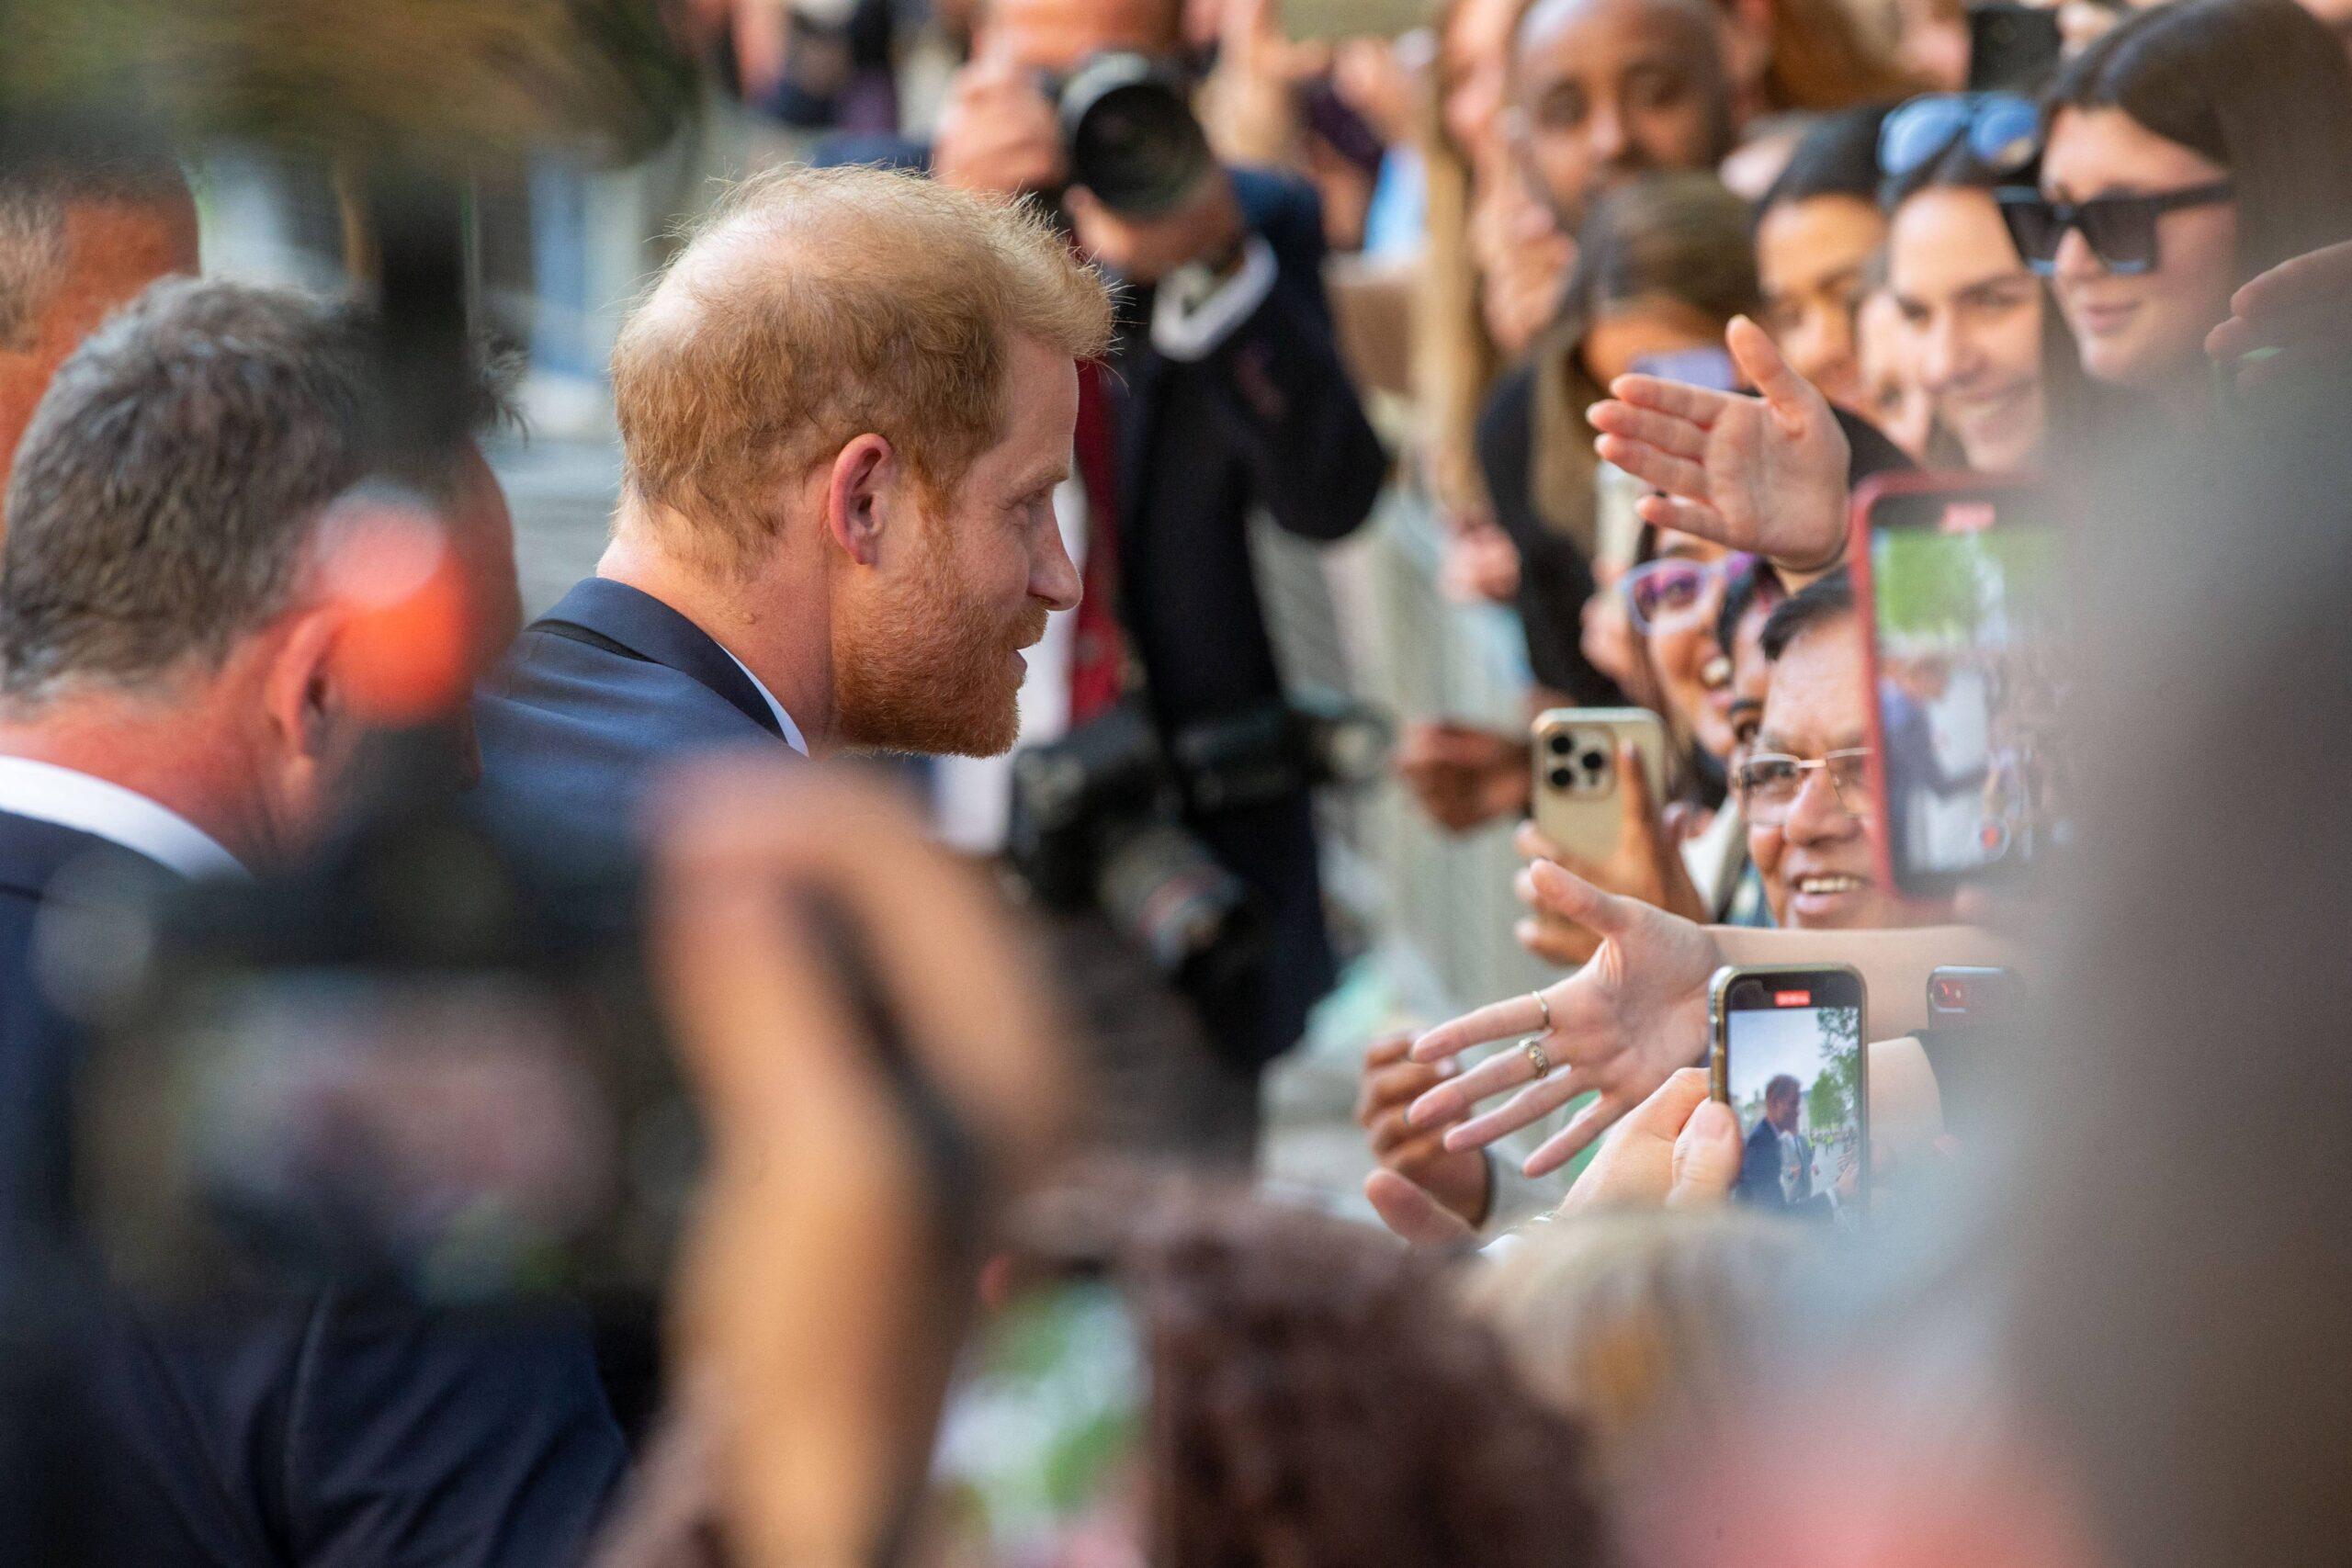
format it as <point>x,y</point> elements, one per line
<point>69,798</point>
<point>792,736</point>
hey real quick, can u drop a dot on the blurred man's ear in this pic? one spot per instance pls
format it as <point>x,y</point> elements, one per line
<point>312,725</point>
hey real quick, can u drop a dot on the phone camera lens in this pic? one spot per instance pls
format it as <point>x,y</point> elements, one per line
<point>1562,744</point>
<point>1595,761</point>
<point>1562,778</point>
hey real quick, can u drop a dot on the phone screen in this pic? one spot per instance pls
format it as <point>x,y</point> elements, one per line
<point>1036,1460</point>
<point>1790,1062</point>
<point>1967,602</point>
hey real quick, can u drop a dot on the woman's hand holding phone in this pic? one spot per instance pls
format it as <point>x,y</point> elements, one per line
<point>1764,473</point>
<point>1647,863</point>
<point>1678,1148</point>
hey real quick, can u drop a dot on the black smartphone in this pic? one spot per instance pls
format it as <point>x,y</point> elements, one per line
<point>1790,1058</point>
<point>1962,582</point>
<point>2011,47</point>
<point>1965,1004</point>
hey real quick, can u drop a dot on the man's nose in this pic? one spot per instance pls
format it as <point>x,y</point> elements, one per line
<point>1605,134</point>
<point>1056,578</point>
<point>1816,815</point>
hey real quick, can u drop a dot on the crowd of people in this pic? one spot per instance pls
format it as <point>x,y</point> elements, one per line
<point>590,1117</point>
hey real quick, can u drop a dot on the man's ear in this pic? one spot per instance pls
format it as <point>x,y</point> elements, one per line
<point>860,493</point>
<point>302,699</point>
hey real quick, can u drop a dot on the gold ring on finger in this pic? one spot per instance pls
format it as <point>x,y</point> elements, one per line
<point>1536,1057</point>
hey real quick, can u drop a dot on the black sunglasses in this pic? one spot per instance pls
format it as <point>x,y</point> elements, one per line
<point>2119,230</point>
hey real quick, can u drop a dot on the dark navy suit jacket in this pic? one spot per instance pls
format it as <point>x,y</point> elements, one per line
<point>589,706</point>
<point>318,1428</point>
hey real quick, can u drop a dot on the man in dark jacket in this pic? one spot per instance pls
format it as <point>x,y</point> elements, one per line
<point>173,706</point>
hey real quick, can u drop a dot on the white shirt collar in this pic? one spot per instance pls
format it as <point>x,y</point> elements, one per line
<point>69,798</point>
<point>792,737</point>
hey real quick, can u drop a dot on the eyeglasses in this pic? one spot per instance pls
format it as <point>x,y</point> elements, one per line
<point>2119,230</point>
<point>1656,589</point>
<point>1769,784</point>
<point>2003,132</point>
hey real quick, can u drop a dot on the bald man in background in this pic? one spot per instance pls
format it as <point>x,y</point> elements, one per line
<point>82,234</point>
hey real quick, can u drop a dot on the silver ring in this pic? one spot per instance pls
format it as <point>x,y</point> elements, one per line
<point>1542,1063</point>
<point>1543,1005</point>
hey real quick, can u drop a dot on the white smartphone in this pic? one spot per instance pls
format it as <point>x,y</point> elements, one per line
<point>1578,794</point>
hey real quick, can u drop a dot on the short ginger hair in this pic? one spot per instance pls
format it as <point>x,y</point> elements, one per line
<point>814,306</point>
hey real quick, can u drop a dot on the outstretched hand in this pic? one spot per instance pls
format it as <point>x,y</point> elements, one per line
<point>1764,473</point>
<point>1620,1026</point>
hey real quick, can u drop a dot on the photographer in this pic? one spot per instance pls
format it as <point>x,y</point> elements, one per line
<point>1228,395</point>
<point>177,702</point>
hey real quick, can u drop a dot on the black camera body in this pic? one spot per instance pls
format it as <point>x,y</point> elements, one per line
<point>1130,135</point>
<point>1100,820</point>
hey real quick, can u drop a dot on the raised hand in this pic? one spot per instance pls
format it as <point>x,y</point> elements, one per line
<point>1620,1026</point>
<point>1765,473</point>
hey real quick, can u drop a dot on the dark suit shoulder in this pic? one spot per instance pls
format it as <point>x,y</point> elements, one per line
<point>573,734</point>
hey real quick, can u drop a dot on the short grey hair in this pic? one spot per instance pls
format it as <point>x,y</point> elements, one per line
<point>38,185</point>
<point>169,485</point>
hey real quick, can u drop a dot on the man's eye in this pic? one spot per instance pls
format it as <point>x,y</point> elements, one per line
<point>1561,111</point>
<point>1654,90</point>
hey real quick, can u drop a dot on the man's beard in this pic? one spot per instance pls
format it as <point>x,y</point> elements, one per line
<point>927,672</point>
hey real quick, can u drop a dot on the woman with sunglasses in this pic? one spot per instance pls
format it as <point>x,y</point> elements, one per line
<point>2196,146</point>
<point>1984,342</point>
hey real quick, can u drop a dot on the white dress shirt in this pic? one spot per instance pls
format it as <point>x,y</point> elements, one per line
<point>792,736</point>
<point>69,798</point>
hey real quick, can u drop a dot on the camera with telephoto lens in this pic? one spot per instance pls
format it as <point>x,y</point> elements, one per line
<point>1130,134</point>
<point>1099,820</point>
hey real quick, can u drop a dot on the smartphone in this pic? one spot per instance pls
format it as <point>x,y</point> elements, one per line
<point>1962,583</point>
<point>1710,367</point>
<point>1038,1457</point>
<point>2011,47</point>
<point>1963,1004</point>
<point>1576,795</point>
<point>1789,1059</point>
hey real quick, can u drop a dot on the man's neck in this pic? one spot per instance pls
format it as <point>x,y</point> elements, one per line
<point>775,623</point>
<point>184,767</point>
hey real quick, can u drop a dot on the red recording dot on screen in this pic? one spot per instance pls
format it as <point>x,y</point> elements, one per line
<point>1791,999</point>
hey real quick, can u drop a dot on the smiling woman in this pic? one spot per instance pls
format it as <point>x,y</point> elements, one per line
<point>2197,145</point>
